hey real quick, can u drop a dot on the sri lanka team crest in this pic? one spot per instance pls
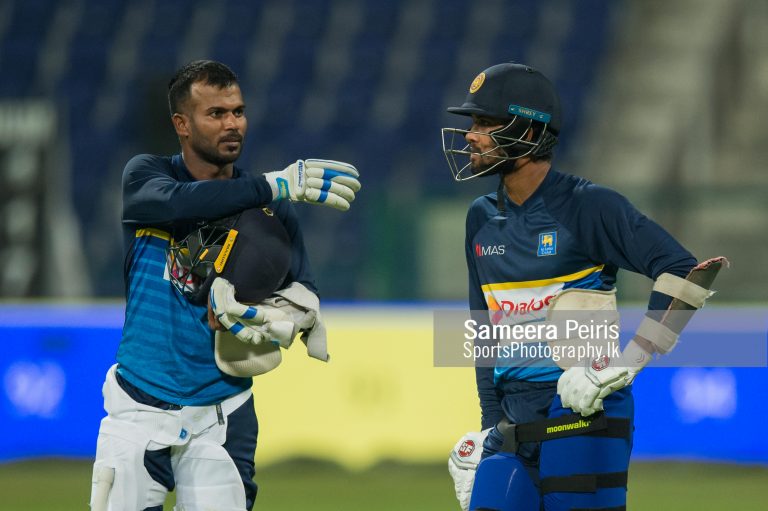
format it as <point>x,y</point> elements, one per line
<point>547,244</point>
<point>477,83</point>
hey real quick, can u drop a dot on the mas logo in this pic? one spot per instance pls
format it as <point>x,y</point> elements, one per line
<point>547,244</point>
<point>481,250</point>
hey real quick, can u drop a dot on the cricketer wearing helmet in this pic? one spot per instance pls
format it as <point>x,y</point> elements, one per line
<point>552,436</point>
<point>180,412</point>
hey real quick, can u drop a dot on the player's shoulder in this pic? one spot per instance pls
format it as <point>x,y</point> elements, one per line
<point>596,197</point>
<point>483,205</point>
<point>149,159</point>
<point>149,162</point>
<point>582,192</point>
<point>481,211</point>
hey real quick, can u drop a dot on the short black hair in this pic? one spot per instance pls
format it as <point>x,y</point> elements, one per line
<point>210,71</point>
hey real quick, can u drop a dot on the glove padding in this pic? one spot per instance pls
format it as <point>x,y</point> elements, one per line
<point>250,324</point>
<point>328,182</point>
<point>462,465</point>
<point>252,344</point>
<point>305,312</point>
<point>582,388</point>
<point>279,318</point>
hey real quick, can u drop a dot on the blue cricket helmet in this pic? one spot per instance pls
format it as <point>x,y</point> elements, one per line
<point>521,98</point>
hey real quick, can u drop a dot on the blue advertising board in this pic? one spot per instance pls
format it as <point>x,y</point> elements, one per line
<point>51,371</point>
<point>54,359</point>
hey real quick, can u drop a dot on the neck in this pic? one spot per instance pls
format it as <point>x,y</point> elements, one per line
<point>525,179</point>
<point>202,170</point>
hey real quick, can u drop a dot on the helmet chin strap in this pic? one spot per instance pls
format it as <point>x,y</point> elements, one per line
<point>501,205</point>
<point>506,168</point>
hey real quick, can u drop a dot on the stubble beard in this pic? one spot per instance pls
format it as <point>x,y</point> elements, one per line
<point>215,157</point>
<point>481,163</point>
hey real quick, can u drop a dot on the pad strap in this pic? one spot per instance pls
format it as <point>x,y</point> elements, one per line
<point>682,289</point>
<point>662,337</point>
<point>561,427</point>
<point>583,483</point>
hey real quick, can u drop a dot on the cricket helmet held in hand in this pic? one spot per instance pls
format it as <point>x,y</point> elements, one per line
<point>252,250</point>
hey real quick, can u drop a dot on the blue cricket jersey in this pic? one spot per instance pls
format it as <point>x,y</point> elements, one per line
<point>167,348</point>
<point>570,233</point>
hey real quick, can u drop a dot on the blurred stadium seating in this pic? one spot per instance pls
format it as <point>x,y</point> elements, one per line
<point>364,81</point>
<point>368,81</point>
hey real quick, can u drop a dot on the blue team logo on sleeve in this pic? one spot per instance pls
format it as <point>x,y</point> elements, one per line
<point>547,244</point>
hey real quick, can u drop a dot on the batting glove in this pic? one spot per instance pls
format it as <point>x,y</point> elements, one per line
<point>327,182</point>
<point>462,465</point>
<point>582,388</point>
<point>250,324</point>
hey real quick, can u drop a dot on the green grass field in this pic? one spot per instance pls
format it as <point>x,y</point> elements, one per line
<point>64,485</point>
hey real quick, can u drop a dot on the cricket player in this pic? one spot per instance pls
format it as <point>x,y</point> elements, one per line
<point>557,437</point>
<point>175,419</point>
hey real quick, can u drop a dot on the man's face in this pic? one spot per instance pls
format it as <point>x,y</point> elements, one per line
<point>215,122</point>
<point>481,145</point>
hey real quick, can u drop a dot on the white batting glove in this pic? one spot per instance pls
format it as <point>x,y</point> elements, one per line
<point>582,388</point>
<point>327,182</point>
<point>250,324</point>
<point>462,465</point>
<point>223,302</point>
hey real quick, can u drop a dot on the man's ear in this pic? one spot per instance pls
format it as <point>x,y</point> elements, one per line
<point>529,133</point>
<point>180,124</point>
